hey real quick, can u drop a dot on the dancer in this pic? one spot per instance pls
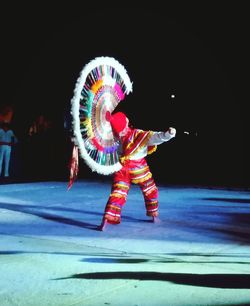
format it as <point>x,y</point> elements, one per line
<point>106,142</point>
<point>135,144</point>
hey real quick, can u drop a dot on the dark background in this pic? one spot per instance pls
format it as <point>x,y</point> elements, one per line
<point>196,51</point>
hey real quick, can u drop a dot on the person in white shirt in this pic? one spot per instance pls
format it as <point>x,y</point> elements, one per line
<point>7,140</point>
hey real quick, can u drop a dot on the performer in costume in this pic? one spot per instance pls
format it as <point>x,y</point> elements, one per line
<point>135,145</point>
<point>106,142</point>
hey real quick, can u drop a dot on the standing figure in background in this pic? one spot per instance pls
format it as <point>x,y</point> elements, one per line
<point>7,140</point>
<point>135,145</point>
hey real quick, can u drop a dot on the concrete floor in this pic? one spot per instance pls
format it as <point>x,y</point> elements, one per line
<point>52,253</point>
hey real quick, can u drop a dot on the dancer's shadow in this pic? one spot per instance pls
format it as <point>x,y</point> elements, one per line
<point>230,200</point>
<point>33,210</point>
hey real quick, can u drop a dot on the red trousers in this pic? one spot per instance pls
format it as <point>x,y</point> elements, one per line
<point>137,172</point>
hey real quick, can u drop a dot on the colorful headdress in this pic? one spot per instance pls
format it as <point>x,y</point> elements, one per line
<point>102,84</point>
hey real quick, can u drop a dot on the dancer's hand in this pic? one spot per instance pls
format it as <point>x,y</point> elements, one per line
<point>172,131</point>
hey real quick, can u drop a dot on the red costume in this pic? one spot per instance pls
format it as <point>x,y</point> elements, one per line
<point>135,145</point>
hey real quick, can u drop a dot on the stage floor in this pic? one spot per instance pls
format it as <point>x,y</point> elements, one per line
<point>52,253</point>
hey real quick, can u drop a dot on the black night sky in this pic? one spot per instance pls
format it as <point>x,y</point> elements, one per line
<point>196,51</point>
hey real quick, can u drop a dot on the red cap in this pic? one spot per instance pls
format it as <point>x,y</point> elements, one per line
<point>118,122</point>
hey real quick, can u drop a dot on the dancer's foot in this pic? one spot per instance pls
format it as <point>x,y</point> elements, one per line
<point>103,225</point>
<point>156,220</point>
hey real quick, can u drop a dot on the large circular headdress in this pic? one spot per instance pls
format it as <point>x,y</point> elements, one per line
<point>102,84</point>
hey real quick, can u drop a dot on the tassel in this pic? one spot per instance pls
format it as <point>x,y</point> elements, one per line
<point>74,166</point>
